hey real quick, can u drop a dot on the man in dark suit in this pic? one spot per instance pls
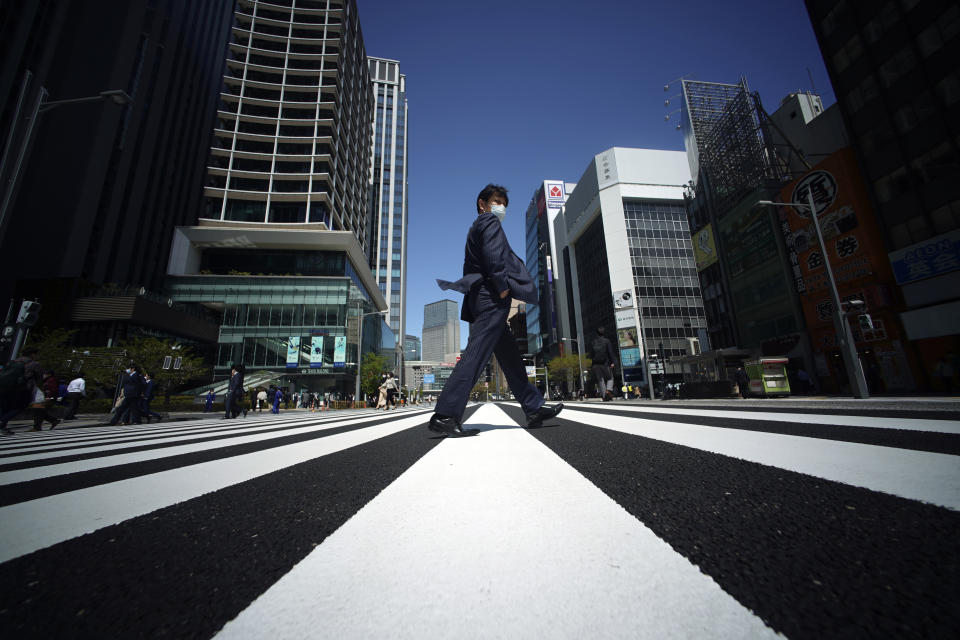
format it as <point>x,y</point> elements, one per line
<point>492,275</point>
<point>231,403</point>
<point>132,386</point>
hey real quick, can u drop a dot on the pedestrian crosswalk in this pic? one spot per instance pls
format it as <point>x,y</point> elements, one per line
<point>620,521</point>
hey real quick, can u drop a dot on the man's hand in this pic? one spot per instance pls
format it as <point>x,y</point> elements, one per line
<point>503,294</point>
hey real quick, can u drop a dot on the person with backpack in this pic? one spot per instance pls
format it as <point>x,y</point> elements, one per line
<point>18,383</point>
<point>604,362</point>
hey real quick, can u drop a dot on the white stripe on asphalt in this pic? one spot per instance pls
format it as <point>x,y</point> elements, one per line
<point>54,440</point>
<point>36,524</point>
<point>77,466</point>
<point>239,436</point>
<point>910,424</point>
<point>494,537</point>
<point>918,475</point>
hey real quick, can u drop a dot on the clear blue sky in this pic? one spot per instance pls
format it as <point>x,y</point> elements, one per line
<point>521,91</point>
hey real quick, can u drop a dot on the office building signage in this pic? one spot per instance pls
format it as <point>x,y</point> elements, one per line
<point>927,259</point>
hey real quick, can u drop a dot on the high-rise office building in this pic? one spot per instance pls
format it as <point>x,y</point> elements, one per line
<point>441,331</point>
<point>279,251</point>
<point>107,112</point>
<point>411,348</point>
<point>388,190</point>
<point>893,66</point>
<point>546,324</point>
<point>293,126</point>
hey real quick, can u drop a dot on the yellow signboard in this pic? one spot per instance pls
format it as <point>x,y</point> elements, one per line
<point>704,248</point>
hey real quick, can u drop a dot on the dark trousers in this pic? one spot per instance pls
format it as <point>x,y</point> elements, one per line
<point>73,402</point>
<point>14,404</point>
<point>604,377</point>
<point>488,334</point>
<point>145,409</point>
<point>129,404</point>
<point>228,409</point>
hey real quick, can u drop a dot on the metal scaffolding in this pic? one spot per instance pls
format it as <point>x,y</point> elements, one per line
<point>726,128</point>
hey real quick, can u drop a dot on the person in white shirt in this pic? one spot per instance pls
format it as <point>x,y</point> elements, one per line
<point>76,390</point>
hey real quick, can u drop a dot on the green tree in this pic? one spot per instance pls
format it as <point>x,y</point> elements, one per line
<point>372,367</point>
<point>150,353</point>
<point>567,368</point>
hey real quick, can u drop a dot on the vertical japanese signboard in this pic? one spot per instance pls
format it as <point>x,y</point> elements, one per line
<point>339,351</point>
<point>316,352</point>
<point>293,352</point>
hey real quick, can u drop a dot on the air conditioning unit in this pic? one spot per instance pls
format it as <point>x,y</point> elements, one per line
<point>693,346</point>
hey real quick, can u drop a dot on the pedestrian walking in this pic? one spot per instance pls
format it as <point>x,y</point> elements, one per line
<point>492,275</point>
<point>231,402</point>
<point>743,382</point>
<point>131,386</point>
<point>76,391</point>
<point>390,385</point>
<point>45,396</point>
<point>18,383</point>
<point>604,361</point>
<point>211,396</point>
<point>147,398</point>
<point>261,399</point>
<point>276,397</point>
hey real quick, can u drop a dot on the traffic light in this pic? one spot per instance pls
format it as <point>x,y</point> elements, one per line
<point>866,322</point>
<point>29,313</point>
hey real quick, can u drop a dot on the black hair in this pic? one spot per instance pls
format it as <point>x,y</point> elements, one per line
<point>492,190</point>
<point>600,331</point>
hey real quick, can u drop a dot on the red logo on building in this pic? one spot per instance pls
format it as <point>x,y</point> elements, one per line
<point>555,192</point>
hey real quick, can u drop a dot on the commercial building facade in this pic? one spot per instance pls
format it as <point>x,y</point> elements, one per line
<point>631,260</point>
<point>546,324</point>
<point>893,68</point>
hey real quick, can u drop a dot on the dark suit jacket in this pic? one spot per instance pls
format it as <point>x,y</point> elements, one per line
<point>488,261</point>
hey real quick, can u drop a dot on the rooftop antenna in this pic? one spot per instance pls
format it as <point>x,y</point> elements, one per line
<point>813,87</point>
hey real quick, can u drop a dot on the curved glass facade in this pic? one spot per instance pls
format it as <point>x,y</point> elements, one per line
<point>294,119</point>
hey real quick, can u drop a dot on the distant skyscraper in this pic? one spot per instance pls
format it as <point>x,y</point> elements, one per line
<point>388,189</point>
<point>411,348</point>
<point>441,331</point>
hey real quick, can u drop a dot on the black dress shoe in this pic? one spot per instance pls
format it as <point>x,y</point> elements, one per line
<point>446,425</point>
<point>536,418</point>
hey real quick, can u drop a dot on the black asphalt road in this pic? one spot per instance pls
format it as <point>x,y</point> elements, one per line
<point>811,557</point>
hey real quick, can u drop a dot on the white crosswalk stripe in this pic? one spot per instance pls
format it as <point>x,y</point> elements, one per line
<point>512,533</point>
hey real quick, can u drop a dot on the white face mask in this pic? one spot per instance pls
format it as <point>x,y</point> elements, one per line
<point>499,210</point>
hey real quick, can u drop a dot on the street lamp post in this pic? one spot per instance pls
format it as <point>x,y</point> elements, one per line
<point>27,112</point>
<point>579,360</point>
<point>858,383</point>
<point>356,395</point>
